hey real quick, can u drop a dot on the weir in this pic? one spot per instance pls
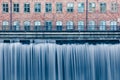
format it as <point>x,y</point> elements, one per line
<point>48,61</point>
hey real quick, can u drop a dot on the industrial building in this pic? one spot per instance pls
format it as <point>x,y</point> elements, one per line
<point>60,15</point>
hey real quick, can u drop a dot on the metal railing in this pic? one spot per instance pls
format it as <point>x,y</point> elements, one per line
<point>60,28</point>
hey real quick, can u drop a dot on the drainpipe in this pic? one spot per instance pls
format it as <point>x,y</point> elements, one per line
<point>10,14</point>
<point>86,14</point>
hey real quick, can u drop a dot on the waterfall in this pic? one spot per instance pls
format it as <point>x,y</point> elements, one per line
<point>59,62</point>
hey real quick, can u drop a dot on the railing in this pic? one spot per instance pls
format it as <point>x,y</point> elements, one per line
<point>60,28</point>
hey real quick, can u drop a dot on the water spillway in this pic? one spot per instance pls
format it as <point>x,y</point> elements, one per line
<point>59,62</point>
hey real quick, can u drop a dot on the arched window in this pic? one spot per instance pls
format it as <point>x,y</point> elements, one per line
<point>59,25</point>
<point>48,25</point>
<point>37,25</point>
<point>113,25</point>
<point>5,25</point>
<point>27,25</point>
<point>102,25</point>
<point>16,25</point>
<point>91,25</point>
<point>81,25</point>
<point>70,25</point>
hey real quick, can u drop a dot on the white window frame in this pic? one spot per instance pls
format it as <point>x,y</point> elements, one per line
<point>37,7</point>
<point>70,7</point>
<point>91,25</point>
<point>16,9</point>
<point>113,25</point>
<point>102,25</point>
<point>92,7</point>
<point>5,8</point>
<point>16,25</point>
<point>70,25</point>
<point>80,25</point>
<point>59,7</point>
<point>26,7</point>
<point>81,7</point>
<point>48,7</point>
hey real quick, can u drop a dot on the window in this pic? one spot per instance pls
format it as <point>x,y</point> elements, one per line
<point>5,7</point>
<point>70,7</point>
<point>91,25</point>
<point>91,7</point>
<point>48,25</point>
<point>102,7</point>
<point>26,7</point>
<point>81,25</point>
<point>16,7</point>
<point>16,25</point>
<point>113,25</point>
<point>37,25</point>
<point>114,7</point>
<point>59,25</point>
<point>48,7</point>
<point>102,25</point>
<point>5,25</point>
<point>27,25</point>
<point>70,25</point>
<point>81,7</point>
<point>37,7</point>
<point>58,7</point>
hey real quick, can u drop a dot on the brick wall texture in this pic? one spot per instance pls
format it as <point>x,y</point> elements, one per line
<point>75,16</point>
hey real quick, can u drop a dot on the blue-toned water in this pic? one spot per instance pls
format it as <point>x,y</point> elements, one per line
<point>59,62</point>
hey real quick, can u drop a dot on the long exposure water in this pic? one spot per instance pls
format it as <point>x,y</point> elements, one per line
<point>59,62</point>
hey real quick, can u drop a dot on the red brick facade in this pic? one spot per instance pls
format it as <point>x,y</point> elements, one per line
<point>75,16</point>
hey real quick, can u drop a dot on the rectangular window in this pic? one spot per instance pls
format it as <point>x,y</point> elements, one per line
<point>91,7</point>
<point>58,7</point>
<point>16,7</point>
<point>48,25</point>
<point>81,7</point>
<point>5,7</point>
<point>70,7</point>
<point>26,7</point>
<point>103,7</point>
<point>48,7</point>
<point>37,7</point>
<point>114,7</point>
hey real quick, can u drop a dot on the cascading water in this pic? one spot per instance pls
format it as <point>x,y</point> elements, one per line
<point>59,62</point>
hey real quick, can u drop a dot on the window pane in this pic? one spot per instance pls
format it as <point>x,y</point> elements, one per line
<point>92,7</point>
<point>48,7</point>
<point>48,25</point>
<point>91,25</point>
<point>70,7</point>
<point>37,7</point>
<point>5,7</point>
<point>102,7</point>
<point>69,25</point>
<point>16,8</point>
<point>113,25</point>
<point>102,25</point>
<point>26,7</point>
<point>81,7</point>
<point>59,7</point>
<point>80,25</point>
<point>114,7</point>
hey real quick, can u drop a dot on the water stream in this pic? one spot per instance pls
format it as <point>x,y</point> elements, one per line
<point>59,62</point>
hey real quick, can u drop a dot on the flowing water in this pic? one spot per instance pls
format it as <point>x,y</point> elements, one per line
<point>59,62</point>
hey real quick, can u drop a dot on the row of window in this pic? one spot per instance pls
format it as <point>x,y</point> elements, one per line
<point>59,25</point>
<point>59,7</point>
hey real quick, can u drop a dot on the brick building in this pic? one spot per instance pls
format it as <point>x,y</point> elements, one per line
<point>60,15</point>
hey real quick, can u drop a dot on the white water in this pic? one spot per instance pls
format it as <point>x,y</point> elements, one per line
<point>59,62</point>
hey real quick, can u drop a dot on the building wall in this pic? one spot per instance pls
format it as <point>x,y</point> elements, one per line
<point>64,16</point>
